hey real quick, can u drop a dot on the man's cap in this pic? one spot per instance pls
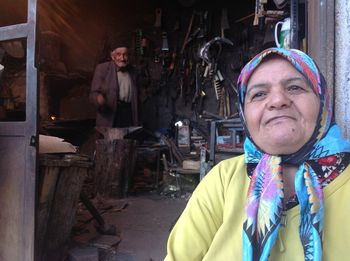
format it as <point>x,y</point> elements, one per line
<point>117,43</point>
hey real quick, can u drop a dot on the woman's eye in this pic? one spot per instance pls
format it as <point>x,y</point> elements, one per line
<point>257,95</point>
<point>295,88</point>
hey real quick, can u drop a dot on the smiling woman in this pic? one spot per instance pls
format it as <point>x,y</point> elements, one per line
<point>281,104</point>
<point>286,197</point>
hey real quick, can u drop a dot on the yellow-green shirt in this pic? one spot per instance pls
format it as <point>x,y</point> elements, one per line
<point>210,228</point>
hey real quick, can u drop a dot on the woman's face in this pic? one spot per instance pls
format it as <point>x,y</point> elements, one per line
<point>280,107</point>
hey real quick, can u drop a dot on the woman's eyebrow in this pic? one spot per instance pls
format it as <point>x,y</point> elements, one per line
<point>294,79</point>
<point>284,81</point>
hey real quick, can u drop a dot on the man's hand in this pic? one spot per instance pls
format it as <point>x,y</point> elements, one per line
<point>101,101</point>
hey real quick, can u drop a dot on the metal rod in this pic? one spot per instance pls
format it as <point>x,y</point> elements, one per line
<point>294,20</point>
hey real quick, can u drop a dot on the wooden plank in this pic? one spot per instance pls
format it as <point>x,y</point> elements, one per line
<point>47,184</point>
<point>62,214</point>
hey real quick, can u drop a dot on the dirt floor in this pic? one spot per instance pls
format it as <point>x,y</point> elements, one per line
<point>139,226</point>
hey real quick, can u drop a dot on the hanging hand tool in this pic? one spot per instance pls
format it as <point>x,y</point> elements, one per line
<point>259,18</point>
<point>189,28</point>
<point>165,45</point>
<point>224,22</point>
<point>158,20</point>
<point>211,56</point>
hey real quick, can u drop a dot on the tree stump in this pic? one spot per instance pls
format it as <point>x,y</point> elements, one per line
<point>114,167</point>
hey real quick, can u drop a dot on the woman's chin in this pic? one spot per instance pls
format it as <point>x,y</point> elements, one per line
<point>281,151</point>
<point>284,145</point>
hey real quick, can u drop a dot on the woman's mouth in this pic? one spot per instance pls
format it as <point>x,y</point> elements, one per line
<point>279,118</point>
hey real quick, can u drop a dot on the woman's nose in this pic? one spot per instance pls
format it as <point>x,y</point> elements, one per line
<point>279,100</point>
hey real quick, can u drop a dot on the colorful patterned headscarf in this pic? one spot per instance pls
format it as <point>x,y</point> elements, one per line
<point>264,207</point>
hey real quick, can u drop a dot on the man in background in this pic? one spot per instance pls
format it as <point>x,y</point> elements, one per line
<point>114,90</point>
